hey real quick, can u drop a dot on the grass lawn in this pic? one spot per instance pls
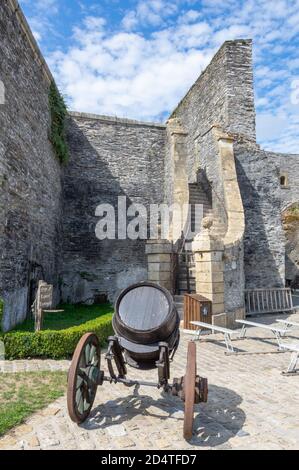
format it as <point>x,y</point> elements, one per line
<point>24,393</point>
<point>73,315</point>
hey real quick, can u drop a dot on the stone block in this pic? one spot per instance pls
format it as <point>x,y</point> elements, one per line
<point>212,288</point>
<point>163,267</point>
<point>159,276</point>
<point>230,320</point>
<point>216,307</point>
<point>158,248</point>
<point>159,258</point>
<point>240,313</point>
<point>206,266</point>
<point>219,319</point>
<point>209,256</point>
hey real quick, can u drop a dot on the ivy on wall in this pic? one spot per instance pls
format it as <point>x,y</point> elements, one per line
<point>58,111</point>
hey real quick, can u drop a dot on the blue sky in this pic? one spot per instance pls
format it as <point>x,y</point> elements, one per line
<point>137,58</point>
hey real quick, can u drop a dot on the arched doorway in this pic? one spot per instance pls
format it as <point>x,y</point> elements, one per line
<point>290,221</point>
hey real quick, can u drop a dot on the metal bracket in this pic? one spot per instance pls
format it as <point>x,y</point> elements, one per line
<point>114,352</point>
<point>291,370</point>
<point>163,365</point>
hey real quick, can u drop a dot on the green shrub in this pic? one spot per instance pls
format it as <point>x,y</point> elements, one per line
<point>54,344</point>
<point>58,111</point>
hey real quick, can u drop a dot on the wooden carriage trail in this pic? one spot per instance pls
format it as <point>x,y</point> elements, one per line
<point>251,405</point>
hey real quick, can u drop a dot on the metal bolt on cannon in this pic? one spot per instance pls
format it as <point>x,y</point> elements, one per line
<point>146,326</point>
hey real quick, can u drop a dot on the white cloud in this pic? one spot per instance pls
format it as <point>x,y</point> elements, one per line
<point>126,74</point>
<point>39,21</point>
<point>143,68</point>
<point>149,12</point>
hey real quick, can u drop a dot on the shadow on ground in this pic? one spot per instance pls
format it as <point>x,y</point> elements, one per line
<point>215,422</point>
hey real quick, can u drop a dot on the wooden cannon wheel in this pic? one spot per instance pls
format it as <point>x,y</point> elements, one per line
<point>83,377</point>
<point>189,390</point>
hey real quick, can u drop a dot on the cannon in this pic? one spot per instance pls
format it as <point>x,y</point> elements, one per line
<point>146,325</point>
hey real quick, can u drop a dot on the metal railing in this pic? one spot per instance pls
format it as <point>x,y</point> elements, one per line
<point>272,300</point>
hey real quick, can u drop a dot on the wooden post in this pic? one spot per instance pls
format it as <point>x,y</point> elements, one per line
<point>44,300</point>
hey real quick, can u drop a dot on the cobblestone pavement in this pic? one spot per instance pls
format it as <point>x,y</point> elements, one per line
<point>33,365</point>
<point>251,405</point>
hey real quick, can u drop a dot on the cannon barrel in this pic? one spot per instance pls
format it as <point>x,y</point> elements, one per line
<point>145,314</point>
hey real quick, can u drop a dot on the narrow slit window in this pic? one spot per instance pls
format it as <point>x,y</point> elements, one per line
<point>283,180</point>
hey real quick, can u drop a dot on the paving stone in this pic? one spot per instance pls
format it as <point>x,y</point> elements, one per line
<point>251,406</point>
<point>124,442</point>
<point>50,442</point>
<point>7,441</point>
<point>116,430</point>
<point>50,411</point>
<point>33,442</point>
<point>22,430</point>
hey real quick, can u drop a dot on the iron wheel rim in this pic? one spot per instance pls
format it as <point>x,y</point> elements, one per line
<point>82,377</point>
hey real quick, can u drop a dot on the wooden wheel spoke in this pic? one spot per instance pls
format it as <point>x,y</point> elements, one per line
<point>92,353</point>
<point>82,377</point>
<point>87,353</point>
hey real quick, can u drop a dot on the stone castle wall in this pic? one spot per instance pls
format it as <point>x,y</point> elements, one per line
<point>258,176</point>
<point>109,158</point>
<point>223,95</point>
<point>30,186</point>
<point>48,213</point>
<point>289,166</point>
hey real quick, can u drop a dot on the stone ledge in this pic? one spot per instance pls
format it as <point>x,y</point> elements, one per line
<point>14,4</point>
<point>115,119</point>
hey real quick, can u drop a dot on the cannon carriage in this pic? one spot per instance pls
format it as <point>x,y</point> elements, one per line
<point>146,326</point>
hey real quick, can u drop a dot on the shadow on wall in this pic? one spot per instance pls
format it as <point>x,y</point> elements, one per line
<point>93,267</point>
<point>215,422</point>
<point>264,245</point>
<point>290,221</point>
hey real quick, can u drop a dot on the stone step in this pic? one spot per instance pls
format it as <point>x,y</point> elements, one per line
<point>178,298</point>
<point>184,287</point>
<point>186,265</point>
<point>184,290</point>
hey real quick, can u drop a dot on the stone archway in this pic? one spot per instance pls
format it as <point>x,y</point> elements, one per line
<point>290,221</point>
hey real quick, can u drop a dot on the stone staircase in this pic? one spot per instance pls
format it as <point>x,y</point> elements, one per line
<point>186,263</point>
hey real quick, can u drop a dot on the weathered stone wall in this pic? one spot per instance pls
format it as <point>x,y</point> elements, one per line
<point>264,242</point>
<point>109,158</point>
<point>30,184</point>
<point>289,166</point>
<point>223,95</point>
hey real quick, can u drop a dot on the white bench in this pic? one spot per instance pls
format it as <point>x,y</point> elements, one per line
<point>294,348</point>
<point>288,323</point>
<point>278,332</point>
<point>218,329</point>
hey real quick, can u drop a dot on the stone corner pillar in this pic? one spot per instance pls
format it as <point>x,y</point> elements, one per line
<point>209,268</point>
<point>160,263</point>
<point>177,176</point>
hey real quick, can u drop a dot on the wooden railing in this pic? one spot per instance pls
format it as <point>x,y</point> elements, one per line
<point>268,300</point>
<point>196,307</point>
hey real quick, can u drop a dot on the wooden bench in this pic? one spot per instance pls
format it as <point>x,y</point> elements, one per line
<point>218,329</point>
<point>294,348</point>
<point>278,332</point>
